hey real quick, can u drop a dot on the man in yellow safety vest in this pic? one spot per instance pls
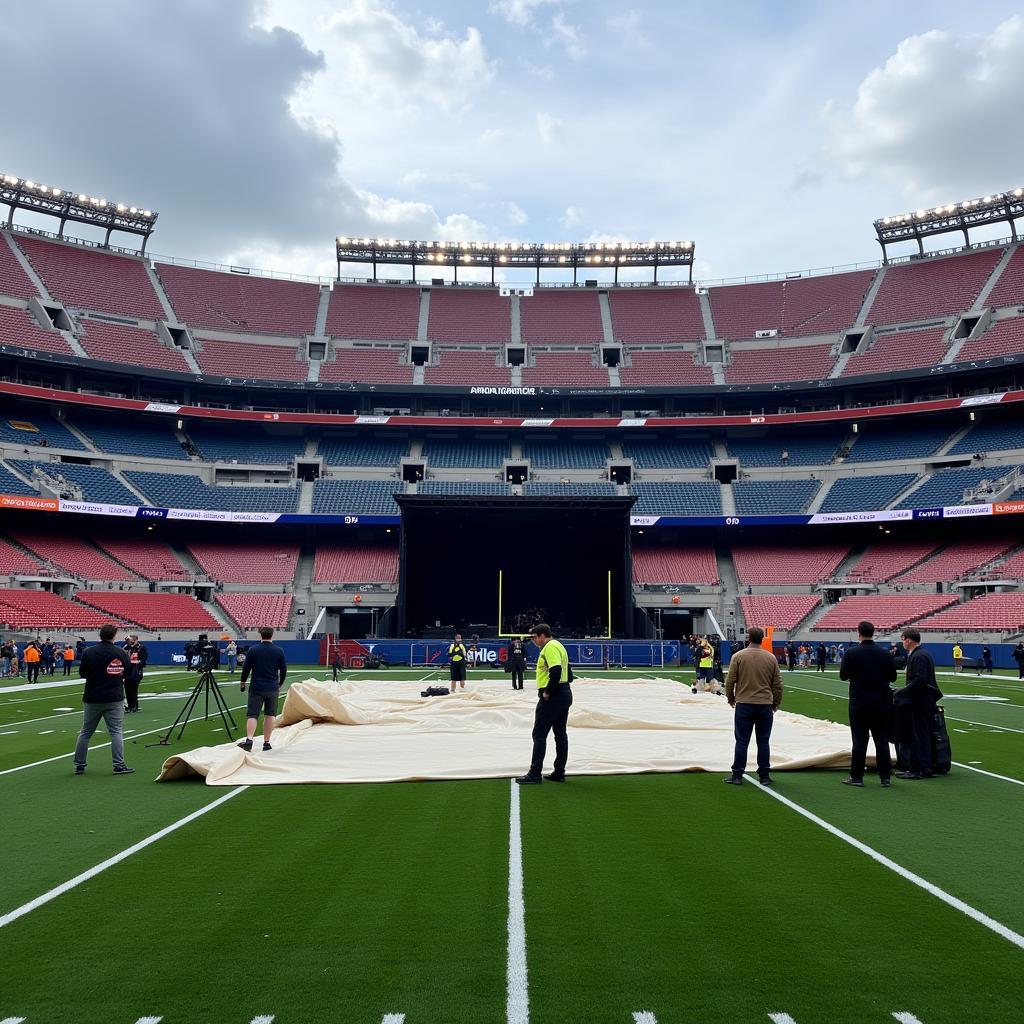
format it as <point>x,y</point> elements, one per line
<point>554,698</point>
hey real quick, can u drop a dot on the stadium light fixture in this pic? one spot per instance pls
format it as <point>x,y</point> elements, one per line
<point>78,207</point>
<point>949,217</point>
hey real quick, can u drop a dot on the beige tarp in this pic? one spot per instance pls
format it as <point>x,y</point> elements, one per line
<point>384,731</point>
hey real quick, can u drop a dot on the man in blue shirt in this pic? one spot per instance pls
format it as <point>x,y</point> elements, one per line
<point>265,663</point>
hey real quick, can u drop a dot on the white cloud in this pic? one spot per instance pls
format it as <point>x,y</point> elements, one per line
<point>492,136</point>
<point>626,28</point>
<point>549,127</point>
<point>573,217</point>
<point>913,119</point>
<point>515,214</point>
<point>568,37</point>
<point>520,12</point>
<point>416,178</point>
<point>410,219</point>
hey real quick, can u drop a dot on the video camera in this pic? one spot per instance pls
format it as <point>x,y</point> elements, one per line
<point>206,653</point>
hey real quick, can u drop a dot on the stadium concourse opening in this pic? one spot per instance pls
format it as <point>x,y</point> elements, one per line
<point>554,555</point>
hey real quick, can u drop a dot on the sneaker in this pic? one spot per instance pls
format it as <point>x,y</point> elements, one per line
<point>909,775</point>
<point>850,781</point>
<point>733,780</point>
<point>246,745</point>
<point>886,783</point>
<point>555,778</point>
<point>123,769</point>
<point>267,746</point>
<point>79,769</point>
<point>765,780</point>
<point>529,780</point>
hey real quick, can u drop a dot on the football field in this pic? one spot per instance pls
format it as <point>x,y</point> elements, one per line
<point>644,899</point>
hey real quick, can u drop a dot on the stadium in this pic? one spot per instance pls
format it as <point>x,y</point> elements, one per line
<point>581,432</point>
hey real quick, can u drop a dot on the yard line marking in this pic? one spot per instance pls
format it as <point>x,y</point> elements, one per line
<point>957,904</point>
<point>266,1018</point>
<point>644,1017</point>
<point>781,1018</point>
<point>12,1020</point>
<point>92,872</point>
<point>149,1020</point>
<point>393,1018</point>
<point>991,775</point>
<point>517,1006</point>
<point>905,1018</point>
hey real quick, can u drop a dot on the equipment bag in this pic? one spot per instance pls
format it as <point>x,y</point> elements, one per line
<point>435,691</point>
<point>942,754</point>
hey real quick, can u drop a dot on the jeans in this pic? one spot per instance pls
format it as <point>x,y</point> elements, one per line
<point>232,662</point>
<point>5,667</point>
<point>113,715</point>
<point>552,715</point>
<point>753,718</point>
<point>872,717</point>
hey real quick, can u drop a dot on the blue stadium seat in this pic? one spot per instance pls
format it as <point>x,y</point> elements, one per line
<point>947,486</point>
<point>96,483</point>
<point>816,450</point>
<point>877,445</point>
<point>694,499</point>
<point>216,445</point>
<point>773,497</point>
<point>865,493</point>
<point>560,490</point>
<point>356,497</point>
<point>180,490</point>
<point>990,437</point>
<point>31,431</point>
<point>464,487</point>
<point>344,451</point>
<point>140,436</point>
<point>566,454</point>
<point>465,454</point>
<point>668,454</point>
<point>11,484</point>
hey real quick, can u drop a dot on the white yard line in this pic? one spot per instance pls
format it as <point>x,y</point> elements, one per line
<point>965,908</point>
<point>77,682</point>
<point>644,1017</point>
<point>263,1018</point>
<point>92,872</point>
<point>393,1018</point>
<point>518,1000</point>
<point>781,1018</point>
<point>149,1020</point>
<point>905,1018</point>
<point>991,775</point>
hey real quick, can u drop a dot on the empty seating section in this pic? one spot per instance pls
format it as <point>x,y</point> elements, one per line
<point>1003,338</point>
<point>240,302</point>
<point>250,359</point>
<point>1003,612</point>
<point>18,328</point>
<point>38,430</point>
<point>476,454</point>
<point>668,454</point>
<point>462,366</point>
<point>374,312</point>
<point>90,279</point>
<point>218,444</point>
<point>1009,289</point>
<point>576,454</point>
<point>886,611</point>
<point>494,487</point>
<point>760,365</point>
<point>181,490</point>
<point>1011,569</point>
<point>768,497</point>
<point>95,484</point>
<point>143,436</point>
<point>251,611</point>
<point>932,288</point>
<point>356,497</point>
<point>883,561</point>
<point>14,562</point>
<point>151,611</point>
<point>371,451</point>
<point>561,490</point>
<point>561,315</point>
<point>802,306</point>
<point>251,562</point>
<point>959,560</point>
<point>562,368</point>
<point>355,563</point>
<point>990,437</point>
<point>786,565</point>
<point>695,499</point>
<point>655,314</point>
<point>151,559</point>
<point>382,365</point>
<point>880,444</point>
<point>74,555</point>
<point>39,609</point>
<point>865,493</point>
<point>815,449</point>
<point>668,565</point>
<point>119,343</point>
<point>11,484</point>
<point>947,486</point>
<point>780,611</point>
<point>13,279</point>
<point>469,314</point>
<point>901,350</point>
<point>676,368</point>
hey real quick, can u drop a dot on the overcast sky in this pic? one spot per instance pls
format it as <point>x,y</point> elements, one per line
<point>771,134</point>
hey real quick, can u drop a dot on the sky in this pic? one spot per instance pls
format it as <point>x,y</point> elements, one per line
<point>771,135</point>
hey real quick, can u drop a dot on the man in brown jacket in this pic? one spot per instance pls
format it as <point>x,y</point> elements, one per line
<point>754,688</point>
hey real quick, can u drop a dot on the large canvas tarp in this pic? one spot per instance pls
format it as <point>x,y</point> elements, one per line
<point>384,731</point>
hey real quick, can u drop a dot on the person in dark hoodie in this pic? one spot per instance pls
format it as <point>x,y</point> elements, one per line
<point>103,668</point>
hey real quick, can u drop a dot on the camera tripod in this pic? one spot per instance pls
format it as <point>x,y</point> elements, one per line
<point>205,685</point>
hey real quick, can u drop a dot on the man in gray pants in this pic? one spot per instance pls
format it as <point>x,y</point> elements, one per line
<point>103,668</point>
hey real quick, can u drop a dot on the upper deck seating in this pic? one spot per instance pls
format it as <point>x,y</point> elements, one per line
<point>131,435</point>
<point>959,560</point>
<point>376,365</point>
<point>881,444</point>
<point>642,315</point>
<point>691,499</point>
<point>789,363</point>
<point>557,489</point>
<point>901,350</point>
<point>363,451</point>
<point>771,497</point>
<point>947,486</point>
<point>248,561</point>
<point>469,314</point>
<point>356,497</point>
<point>884,560</point>
<point>988,613</point>
<point>120,343</point>
<point>18,328</point>
<point>801,306</point>
<point>182,490</point>
<point>886,611</point>
<point>13,279</point>
<point>76,556</point>
<point>668,454</point>
<point>495,487</point>
<point>151,611</point>
<point>780,611</point>
<point>250,444</point>
<point>374,312</point>
<point>251,611</point>
<point>865,493</point>
<point>151,559</point>
<point>250,359</point>
<point>96,484</point>
<point>932,288</point>
<point>1009,289</point>
<point>676,564</point>
<point>564,316</point>
<point>32,430</point>
<point>563,368</point>
<point>11,484</point>
<point>240,302</point>
<point>817,448</point>
<point>558,454</point>
<point>462,366</point>
<point>991,437</point>
<point>786,565</point>
<point>41,609</point>
<point>355,563</point>
<point>92,278</point>
<point>1003,338</point>
<point>676,368</point>
<point>457,454</point>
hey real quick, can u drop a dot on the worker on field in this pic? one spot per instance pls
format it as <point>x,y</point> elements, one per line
<point>705,666</point>
<point>958,657</point>
<point>103,668</point>
<point>754,689</point>
<point>1018,656</point>
<point>458,656</point>
<point>69,658</point>
<point>265,663</point>
<point>821,657</point>
<point>869,669</point>
<point>138,656</point>
<point>915,705</point>
<point>554,698</point>
<point>516,655</point>
<point>33,659</point>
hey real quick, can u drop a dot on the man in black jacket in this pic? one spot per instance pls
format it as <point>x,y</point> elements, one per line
<point>869,669</point>
<point>517,661</point>
<point>103,668</point>
<point>137,658</point>
<point>266,663</point>
<point>916,703</point>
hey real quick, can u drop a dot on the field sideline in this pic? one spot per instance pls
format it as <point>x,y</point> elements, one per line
<point>656,899</point>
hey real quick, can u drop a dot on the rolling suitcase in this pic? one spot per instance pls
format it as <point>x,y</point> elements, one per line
<point>942,755</point>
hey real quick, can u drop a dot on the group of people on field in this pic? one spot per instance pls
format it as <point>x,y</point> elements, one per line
<point>37,657</point>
